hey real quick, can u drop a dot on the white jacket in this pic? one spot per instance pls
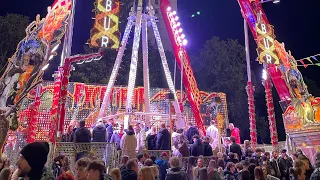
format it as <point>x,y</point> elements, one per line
<point>212,132</point>
<point>141,138</point>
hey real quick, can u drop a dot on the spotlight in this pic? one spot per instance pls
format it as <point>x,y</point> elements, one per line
<point>174,12</point>
<point>169,8</point>
<point>182,36</point>
<point>176,18</point>
<point>184,42</point>
<point>264,74</point>
<point>180,30</point>
<point>178,24</point>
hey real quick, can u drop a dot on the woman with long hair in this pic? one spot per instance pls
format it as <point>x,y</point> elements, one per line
<point>213,173</point>
<point>145,173</point>
<point>297,173</point>
<point>115,174</point>
<point>258,173</point>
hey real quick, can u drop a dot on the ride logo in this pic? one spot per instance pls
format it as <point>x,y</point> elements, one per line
<point>105,33</point>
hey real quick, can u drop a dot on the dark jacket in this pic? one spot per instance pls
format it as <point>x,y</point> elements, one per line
<point>163,139</point>
<point>151,140</point>
<point>285,165</point>
<point>184,149</point>
<point>228,175</point>
<point>197,148</point>
<point>176,174</point>
<point>316,174</point>
<point>115,138</point>
<point>163,166</point>
<point>82,135</point>
<point>72,134</point>
<point>109,131</point>
<point>190,133</point>
<point>275,168</point>
<point>99,134</point>
<point>128,174</point>
<point>235,148</point>
<point>207,149</point>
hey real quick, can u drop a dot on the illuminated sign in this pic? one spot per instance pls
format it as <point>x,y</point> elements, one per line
<point>105,32</point>
<point>266,46</point>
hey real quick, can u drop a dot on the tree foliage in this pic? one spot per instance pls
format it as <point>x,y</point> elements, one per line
<point>12,31</point>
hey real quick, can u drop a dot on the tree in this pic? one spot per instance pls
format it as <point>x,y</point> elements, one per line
<point>12,30</point>
<point>221,67</point>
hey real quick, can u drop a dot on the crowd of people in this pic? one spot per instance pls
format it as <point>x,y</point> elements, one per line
<point>184,155</point>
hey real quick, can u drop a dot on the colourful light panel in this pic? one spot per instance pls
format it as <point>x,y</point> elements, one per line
<point>105,32</point>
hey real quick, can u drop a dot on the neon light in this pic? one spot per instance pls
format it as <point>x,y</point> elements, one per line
<point>105,32</point>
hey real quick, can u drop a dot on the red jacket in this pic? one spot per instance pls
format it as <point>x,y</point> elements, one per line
<point>236,133</point>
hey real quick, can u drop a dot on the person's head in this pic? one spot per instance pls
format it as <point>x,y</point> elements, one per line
<point>299,152</point>
<point>233,139</point>
<point>206,139</point>
<point>155,171</point>
<point>180,131</point>
<point>145,173</point>
<point>219,155</point>
<point>258,152</point>
<point>115,174</point>
<point>231,126</point>
<point>294,156</point>
<point>132,165</point>
<point>5,174</point>
<point>65,176</point>
<point>246,165</point>
<point>95,170</point>
<point>111,121</point>
<point>231,167</point>
<point>283,152</point>
<point>239,167</point>
<point>190,124</point>
<point>32,159</point>
<point>174,162</point>
<point>245,174</point>
<point>153,158</point>
<point>264,158</point>
<point>203,173</point>
<point>195,138</point>
<point>220,163</point>
<point>137,128</point>
<point>162,125</point>
<point>124,159</point>
<point>299,164</point>
<point>61,160</point>
<point>121,127</point>
<point>81,168</point>
<point>258,173</point>
<point>148,162</point>
<point>200,161</point>
<point>297,173</point>
<point>153,129</point>
<point>275,155</point>
<point>164,156</point>
<point>263,150</point>
<point>213,164</point>
<point>267,154</point>
<point>82,124</point>
<point>130,128</point>
<point>246,143</point>
<point>140,158</point>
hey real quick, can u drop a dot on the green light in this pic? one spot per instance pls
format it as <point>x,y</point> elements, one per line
<point>192,15</point>
<point>198,12</point>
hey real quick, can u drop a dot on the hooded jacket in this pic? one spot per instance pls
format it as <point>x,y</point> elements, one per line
<point>82,135</point>
<point>176,173</point>
<point>128,144</point>
<point>197,148</point>
<point>99,133</point>
<point>163,139</point>
<point>190,133</point>
<point>128,174</point>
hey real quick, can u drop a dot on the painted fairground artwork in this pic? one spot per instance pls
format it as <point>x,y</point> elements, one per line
<point>25,67</point>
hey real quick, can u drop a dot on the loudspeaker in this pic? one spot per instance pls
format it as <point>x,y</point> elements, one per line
<point>206,120</point>
<point>203,108</point>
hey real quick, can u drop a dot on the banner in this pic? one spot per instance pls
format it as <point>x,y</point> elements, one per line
<point>105,33</point>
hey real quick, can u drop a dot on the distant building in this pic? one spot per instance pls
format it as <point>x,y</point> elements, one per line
<point>161,26</point>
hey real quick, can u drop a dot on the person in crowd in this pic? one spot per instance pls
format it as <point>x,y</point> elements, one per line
<point>316,173</point>
<point>274,165</point>
<point>59,165</point>
<point>96,171</point>
<point>115,174</point>
<point>109,128</point>
<point>244,175</point>
<point>197,148</point>
<point>190,165</point>
<point>257,155</point>
<point>239,168</point>
<point>246,165</point>
<point>212,133</point>
<point>99,132</point>
<point>141,137</point>
<point>226,145</point>
<point>65,176</point>
<point>247,148</point>
<point>81,168</point>
<point>230,171</point>
<point>285,163</point>
<point>116,136</point>
<point>163,165</point>
<point>235,147</point>
<point>258,173</point>
<point>251,168</point>
<point>141,159</point>
<point>152,139</point>
<point>192,130</point>
<point>123,162</point>
<point>232,158</point>
<point>307,165</point>
<point>155,172</point>
<point>207,147</point>
<point>268,156</point>
<point>213,173</point>
<point>265,166</point>
<point>294,156</point>
<point>2,161</point>
<point>200,164</point>
<point>163,138</point>
<point>128,143</point>
<point>145,173</point>
<point>174,134</point>
<point>5,174</point>
<point>148,162</point>
<point>131,170</point>
<point>32,160</point>
<point>73,126</point>
<point>297,174</point>
<point>82,134</point>
<point>235,132</point>
<point>182,148</point>
<point>203,174</point>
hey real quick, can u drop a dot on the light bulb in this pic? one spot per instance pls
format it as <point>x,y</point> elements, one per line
<point>174,12</point>
<point>176,18</point>
<point>180,30</point>
<point>184,42</point>
<point>178,24</point>
<point>169,8</point>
